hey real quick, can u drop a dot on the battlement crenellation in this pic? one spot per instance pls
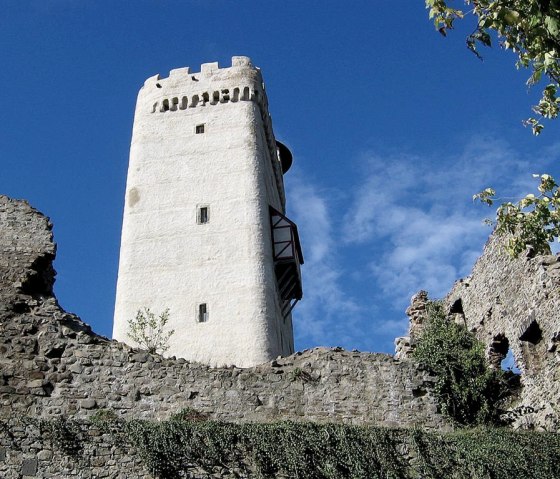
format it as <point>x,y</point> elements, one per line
<point>211,85</point>
<point>239,64</point>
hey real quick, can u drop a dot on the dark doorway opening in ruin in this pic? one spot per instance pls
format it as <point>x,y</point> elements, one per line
<point>456,312</point>
<point>532,346</point>
<point>498,350</point>
<point>500,355</point>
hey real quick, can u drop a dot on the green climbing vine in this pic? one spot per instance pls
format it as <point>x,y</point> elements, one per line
<point>179,448</point>
<point>64,434</point>
<point>289,449</point>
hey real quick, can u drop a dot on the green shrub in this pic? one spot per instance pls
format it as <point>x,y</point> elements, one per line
<point>467,389</point>
<point>149,331</point>
<point>286,449</point>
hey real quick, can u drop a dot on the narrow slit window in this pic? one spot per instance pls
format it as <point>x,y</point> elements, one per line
<point>202,313</point>
<point>199,129</point>
<point>203,215</point>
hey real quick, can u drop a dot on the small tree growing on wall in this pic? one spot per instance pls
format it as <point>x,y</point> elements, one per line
<point>148,330</point>
<point>467,389</point>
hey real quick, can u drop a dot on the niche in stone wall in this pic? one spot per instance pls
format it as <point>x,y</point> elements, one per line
<point>532,333</point>
<point>531,342</point>
<point>456,312</point>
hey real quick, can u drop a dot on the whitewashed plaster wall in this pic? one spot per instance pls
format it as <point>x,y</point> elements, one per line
<point>167,259</point>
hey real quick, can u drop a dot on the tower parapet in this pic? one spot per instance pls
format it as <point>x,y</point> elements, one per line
<point>183,90</point>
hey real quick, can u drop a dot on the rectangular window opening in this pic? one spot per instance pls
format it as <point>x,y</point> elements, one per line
<point>202,313</point>
<point>203,215</point>
<point>199,129</point>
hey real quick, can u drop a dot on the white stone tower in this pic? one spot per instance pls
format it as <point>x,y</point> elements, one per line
<point>203,230</point>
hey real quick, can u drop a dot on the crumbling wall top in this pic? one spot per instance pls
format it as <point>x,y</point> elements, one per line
<point>26,249</point>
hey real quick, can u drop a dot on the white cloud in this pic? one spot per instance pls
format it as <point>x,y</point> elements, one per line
<point>324,299</point>
<point>418,214</point>
<point>407,224</point>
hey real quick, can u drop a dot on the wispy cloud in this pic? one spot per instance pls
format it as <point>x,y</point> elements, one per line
<point>324,298</point>
<point>408,223</point>
<point>418,213</point>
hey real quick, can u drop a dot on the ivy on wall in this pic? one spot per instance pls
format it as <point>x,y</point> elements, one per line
<point>180,448</point>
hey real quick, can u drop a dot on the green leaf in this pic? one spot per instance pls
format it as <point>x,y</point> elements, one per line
<point>552,25</point>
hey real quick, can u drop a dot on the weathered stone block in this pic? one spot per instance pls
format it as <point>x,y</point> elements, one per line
<point>29,467</point>
<point>88,403</point>
<point>44,455</point>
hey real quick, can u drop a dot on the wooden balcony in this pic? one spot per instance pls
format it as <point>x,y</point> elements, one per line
<point>287,259</point>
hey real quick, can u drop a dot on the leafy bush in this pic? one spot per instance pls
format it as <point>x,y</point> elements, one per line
<point>63,433</point>
<point>467,389</point>
<point>104,419</point>
<point>533,221</point>
<point>285,449</point>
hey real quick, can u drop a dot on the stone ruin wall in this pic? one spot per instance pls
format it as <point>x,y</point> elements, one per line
<point>52,365</point>
<point>27,452</point>
<point>514,304</point>
<point>511,305</point>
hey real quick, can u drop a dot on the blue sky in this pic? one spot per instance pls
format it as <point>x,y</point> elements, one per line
<point>392,127</point>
